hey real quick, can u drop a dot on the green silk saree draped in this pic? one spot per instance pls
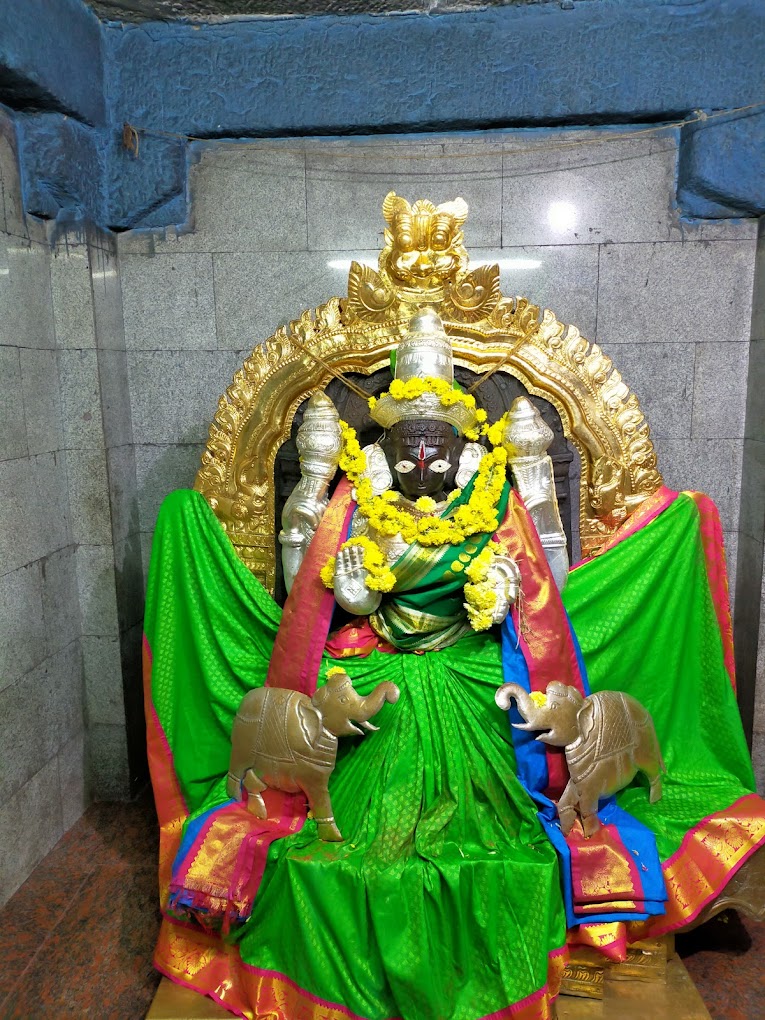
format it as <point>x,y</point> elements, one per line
<point>444,900</point>
<point>647,625</point>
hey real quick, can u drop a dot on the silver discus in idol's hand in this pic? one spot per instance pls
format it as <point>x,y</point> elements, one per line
<point>526,439</point>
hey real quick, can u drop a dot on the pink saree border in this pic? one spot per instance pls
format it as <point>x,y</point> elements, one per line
<point>648,510</point>
<point>167,790</point>
<point>203,964</point>
<point>695,874</point>
<point>717,574</point>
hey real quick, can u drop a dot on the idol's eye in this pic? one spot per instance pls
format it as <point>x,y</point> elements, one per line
<point>404,467</point>
<point>440,466</point>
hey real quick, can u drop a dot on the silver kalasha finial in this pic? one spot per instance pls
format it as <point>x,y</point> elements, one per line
<point>426,350</point>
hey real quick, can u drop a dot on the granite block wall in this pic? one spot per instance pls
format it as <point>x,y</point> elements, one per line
<point>583,222</point>
<point>113,353</point>
<point>42,762</point>
<point>71,593</point>
<point>750,623</point>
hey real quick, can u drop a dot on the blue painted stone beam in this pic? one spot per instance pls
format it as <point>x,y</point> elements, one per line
<point>51,58</point>
<point>722,167</point>
<point>62,167</point>
<point>604,61</point>
<point>610,62</point>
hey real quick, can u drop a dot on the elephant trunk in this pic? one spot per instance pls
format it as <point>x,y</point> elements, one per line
<point>508,693</point>
<point>372,704</point>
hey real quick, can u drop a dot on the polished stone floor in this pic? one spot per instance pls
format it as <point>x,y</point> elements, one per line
<point>76,940</point>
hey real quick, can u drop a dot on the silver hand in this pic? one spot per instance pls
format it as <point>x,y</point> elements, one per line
<point>351,590</point>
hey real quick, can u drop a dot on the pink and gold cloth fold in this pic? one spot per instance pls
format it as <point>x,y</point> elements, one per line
<point>602,873</point>
<point>216,874</point>
<point>690,581</point>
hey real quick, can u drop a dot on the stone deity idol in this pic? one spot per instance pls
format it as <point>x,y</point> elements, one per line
<point>426,570</point>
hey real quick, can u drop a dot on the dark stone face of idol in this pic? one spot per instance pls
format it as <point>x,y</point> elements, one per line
<point>423,457</point>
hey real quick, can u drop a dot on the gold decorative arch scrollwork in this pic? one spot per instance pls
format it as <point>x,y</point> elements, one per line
<point>424,263</point>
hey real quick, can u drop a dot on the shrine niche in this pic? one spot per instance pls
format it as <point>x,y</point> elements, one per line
<point>395,463</point>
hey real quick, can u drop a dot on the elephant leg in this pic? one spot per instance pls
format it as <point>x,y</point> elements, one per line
<point>254,787</point>
<point>648,760</point>
<point>588,808</point>
<point>567,808</point>
<point>321,807</point>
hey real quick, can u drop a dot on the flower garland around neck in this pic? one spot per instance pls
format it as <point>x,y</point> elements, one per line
<point>387,517</point>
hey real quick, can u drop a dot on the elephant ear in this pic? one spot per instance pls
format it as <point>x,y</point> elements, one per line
<point>311,721</point>
<point>586,717</point>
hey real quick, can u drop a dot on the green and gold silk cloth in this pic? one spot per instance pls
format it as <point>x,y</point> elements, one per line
<point>444,899</point>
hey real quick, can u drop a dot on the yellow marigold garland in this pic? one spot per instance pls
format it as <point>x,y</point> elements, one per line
<point>327,572</point>
<point>447,394</point>
<point>495,433</point>
<point>480,597</point>
<point>352,457</point>
<point>477,516</point>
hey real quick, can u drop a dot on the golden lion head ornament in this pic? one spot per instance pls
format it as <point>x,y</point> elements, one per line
<point>424,246</point>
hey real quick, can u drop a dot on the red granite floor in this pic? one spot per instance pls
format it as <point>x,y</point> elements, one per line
<point>76,940</point>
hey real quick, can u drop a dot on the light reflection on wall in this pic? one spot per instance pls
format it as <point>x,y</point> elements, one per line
<point>562,217</point>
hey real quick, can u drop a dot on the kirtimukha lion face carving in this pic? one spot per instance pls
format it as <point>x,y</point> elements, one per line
<point>424,243</point>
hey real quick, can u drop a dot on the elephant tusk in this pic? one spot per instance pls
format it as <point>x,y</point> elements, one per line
<point>522,726</point>
<point>369,726</point>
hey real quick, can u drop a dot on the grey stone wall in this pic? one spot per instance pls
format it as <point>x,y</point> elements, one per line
<point>42,773</point>
<point>750,621</point>
<point>582,223</point>
<point>113,359</point>
<point>71,593</point>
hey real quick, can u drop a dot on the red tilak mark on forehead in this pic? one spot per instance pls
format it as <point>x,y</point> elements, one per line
<point>421,455</point>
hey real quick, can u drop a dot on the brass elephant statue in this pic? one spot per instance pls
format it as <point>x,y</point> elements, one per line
<point>608,737</point>
<point>288,741</point>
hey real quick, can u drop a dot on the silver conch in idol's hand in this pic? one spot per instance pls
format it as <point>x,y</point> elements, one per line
<point>319,442</point>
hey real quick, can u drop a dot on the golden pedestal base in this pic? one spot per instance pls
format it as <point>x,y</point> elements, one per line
<point>587,972</point>
<point>673,997</point>
<point>174,1002</point>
